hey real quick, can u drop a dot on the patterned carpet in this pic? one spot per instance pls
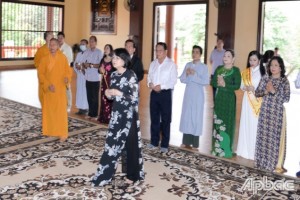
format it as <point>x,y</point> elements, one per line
<point>21,124</point>
<point>35,167</point>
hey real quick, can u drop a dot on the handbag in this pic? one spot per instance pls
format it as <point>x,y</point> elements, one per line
<point>297,82</point>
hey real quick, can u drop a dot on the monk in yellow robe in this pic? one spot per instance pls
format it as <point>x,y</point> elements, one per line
<point>54,75</point>
<point>41,52</point>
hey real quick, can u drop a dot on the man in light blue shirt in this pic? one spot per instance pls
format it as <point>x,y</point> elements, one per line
<point>216,58</point>
<point>92,57</point>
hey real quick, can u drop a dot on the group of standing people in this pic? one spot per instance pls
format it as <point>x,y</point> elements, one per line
<point>262,135</point>
<point>262,132</point>
<point>93,75</point>
<point>117,74</point>
<point>121,72</point>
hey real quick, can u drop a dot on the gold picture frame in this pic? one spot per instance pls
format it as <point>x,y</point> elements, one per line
<point>104,17</point>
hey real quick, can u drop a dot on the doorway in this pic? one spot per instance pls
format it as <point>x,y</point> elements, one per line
<point>180,26</point>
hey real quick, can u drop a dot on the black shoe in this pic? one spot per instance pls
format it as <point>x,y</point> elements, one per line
<point>80,112</point>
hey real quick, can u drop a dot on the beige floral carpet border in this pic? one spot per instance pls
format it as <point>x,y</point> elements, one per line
<point>54,170</point>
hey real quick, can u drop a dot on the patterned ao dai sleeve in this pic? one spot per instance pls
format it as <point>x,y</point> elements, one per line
<point>260,90</point>
<point>129,87</point>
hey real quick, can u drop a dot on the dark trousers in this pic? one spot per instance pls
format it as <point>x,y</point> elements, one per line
<point>92,91</point>
<point>129,151</point>
<point>160,114</point>
<point>109,163</point>
<point>132,153</point>
<point>214,89</point>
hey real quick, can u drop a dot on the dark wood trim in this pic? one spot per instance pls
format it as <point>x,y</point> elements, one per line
<point>1,31</point>
<point>180,2</point>
<point>35,3</point>
<point>136,26</point>
<point>169,29</point>
<point>226,23</point>
<point>259,24</point>
<point>277,0</point>
<point>206,34</point>
<point>16,67</point>
<point>153,29</point>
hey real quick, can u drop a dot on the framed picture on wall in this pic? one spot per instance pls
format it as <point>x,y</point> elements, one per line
<point>104,17</point>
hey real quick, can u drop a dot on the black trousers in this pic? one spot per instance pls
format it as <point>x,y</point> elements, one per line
<point>131,153</point>
<point>160,114</point>
<point>92,91</point>
<point>214,89</point>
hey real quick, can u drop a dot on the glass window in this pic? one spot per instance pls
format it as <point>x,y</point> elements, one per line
<point>23,25</point>
<point>178,21</point>
<point>280,29</point>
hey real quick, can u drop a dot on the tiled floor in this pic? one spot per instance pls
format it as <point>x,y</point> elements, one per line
<point>21,86</point>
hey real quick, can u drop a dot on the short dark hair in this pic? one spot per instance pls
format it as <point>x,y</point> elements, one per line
<point>61,33</point>
<point>220,39</point>
<point>94,38</point>
<point>132,41</point>
<point>198,47</point>
<point>124,55</point>
<point>231,51</point>
<point>46,34</point>
<point>85,40</point>
<point>281,65</point>
<point>164,45</point>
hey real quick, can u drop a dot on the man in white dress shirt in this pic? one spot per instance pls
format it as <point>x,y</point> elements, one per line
<point>162,78</point>
<point>67,51</point>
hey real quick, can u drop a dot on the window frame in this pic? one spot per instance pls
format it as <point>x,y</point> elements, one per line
<point>260,28</point>
<point>174,3</point>
<point>28,3</point>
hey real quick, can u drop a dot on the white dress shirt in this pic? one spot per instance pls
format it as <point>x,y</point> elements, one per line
<point>67,50</point>
<point>164,74</point>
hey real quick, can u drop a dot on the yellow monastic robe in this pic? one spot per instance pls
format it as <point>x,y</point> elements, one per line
<point>41,52</point>
<point>53,70</point>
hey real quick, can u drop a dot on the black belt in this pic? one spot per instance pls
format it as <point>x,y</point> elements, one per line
<point>162,91</point>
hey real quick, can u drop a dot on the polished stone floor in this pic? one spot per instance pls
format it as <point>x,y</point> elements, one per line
<point>21,86</point>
